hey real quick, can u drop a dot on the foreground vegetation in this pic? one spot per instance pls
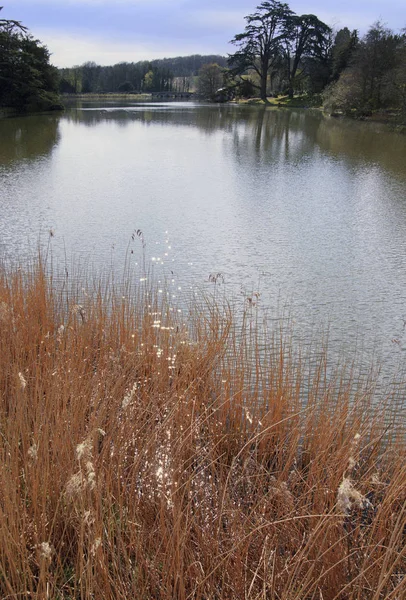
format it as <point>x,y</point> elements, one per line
<point>145,457</point>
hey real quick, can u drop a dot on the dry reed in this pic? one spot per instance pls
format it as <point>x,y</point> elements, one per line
<point>142,458</point>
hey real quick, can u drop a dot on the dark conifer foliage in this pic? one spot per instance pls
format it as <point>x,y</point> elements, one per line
<point>28,82</point>
<point>275,45</point>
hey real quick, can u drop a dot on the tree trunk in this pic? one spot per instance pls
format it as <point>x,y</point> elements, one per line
<point>264,77</point>
<point>263,87</point>
<point>292,73</point>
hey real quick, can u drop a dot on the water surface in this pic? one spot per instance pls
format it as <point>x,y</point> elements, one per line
<point>307,210</point>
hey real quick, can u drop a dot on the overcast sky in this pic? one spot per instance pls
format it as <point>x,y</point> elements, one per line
<point>110,31</point>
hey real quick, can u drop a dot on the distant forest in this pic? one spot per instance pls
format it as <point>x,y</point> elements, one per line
<point>166,74</point>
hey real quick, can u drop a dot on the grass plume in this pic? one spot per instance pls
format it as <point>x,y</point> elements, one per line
<point>145,458</point>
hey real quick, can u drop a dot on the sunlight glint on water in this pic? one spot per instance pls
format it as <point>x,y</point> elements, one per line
<point>307,211</point>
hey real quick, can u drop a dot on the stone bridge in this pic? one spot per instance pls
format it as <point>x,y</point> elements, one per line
<point>172,95</point>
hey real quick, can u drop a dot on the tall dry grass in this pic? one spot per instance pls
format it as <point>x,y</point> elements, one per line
<point>142,458</point>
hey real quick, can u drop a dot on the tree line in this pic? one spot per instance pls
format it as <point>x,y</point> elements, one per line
<point>368,74</point>
<point>160,75</point>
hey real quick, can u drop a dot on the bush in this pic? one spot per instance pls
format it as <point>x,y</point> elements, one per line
<point>126,86</point>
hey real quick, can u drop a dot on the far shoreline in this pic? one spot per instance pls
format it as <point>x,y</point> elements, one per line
<point>391,118</point>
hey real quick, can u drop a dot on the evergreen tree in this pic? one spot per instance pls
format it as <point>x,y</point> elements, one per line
<point>306,37</point>
<point>345,43</point>
<point>260,46</point>
<point>276,41</point>
<point>27,80</point>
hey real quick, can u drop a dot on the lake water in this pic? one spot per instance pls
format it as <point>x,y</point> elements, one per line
<point>307,210</point>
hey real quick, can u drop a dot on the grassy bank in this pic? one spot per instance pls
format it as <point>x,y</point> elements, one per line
<point>304,101</point>
<point>148,455</point>
<point>394,118</point>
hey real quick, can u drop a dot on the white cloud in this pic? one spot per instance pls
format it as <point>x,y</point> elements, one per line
<point>68,50</point>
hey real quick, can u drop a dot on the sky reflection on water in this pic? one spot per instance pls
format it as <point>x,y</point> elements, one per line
<point>306,210</point>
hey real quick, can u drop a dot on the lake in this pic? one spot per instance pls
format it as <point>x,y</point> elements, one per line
<point>308,211</point>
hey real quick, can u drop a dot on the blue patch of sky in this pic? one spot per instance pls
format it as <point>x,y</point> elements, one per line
<point>172,18</point>
<point>182,26</point>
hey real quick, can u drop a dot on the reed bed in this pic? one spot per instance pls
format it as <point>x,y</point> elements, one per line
<point>145,455</point>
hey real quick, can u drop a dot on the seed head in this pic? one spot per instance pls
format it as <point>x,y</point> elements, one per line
<point>33,452</point>
<point>23,381</point>
<point>349,498</point>
<point>45,551</point>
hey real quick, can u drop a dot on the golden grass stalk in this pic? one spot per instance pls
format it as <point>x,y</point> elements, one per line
<point>142,457</point>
